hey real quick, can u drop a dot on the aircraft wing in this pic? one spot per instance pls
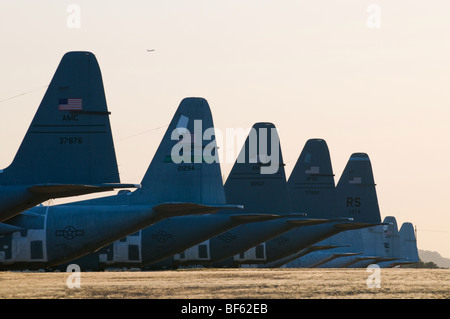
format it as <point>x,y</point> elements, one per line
<point>65,190</point>
<point>315,221</point>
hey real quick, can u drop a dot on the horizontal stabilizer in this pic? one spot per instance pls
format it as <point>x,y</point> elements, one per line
<point>293,215</point>
<point>344,219</point>
<point>6,229</point>
<point>64,190</point>
<point>345,255</point>
<point>359,259</point>
<point>356,225</point>
<point>308,221</point>
<point>383,259</point>
<point>362,258</point>
<point>248,218</point>
<point>174,209</point>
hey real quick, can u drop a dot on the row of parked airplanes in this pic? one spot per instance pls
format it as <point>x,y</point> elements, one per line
<point>181,214</point>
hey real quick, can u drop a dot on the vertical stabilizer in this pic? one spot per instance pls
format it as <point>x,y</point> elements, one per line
<point>356,193</point>
<point>311,183</point>
<point>248,184</point>
<point>391,237</point>
<point>408,243</point>
<point>185,167</point>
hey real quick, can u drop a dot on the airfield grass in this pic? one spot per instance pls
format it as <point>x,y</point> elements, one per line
<point>395,283</point>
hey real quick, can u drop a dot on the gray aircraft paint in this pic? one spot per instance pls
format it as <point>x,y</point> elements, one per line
<point>258,192</point>
<point>354,249</point>
<point>8,229</point>
<point>68,149</point>
<point>401,246</point>
<point>65,232</point>
<point>351,242</point>
<point>374,245</point>
<point>391,242</point>
<point>380,244</point>
<point>408,245</point>
<point>355,182</point>
<point>312,190</point>
<point>357,248</point>
<point>166,238</point>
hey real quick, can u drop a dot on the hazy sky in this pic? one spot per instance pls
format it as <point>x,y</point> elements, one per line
<point>316,69</point>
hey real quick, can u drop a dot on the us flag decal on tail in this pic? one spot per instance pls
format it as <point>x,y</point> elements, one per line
<point>70,104</point>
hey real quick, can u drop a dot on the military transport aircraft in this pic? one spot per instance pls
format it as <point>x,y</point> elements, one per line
<point>155,245</point>
<point>54,235</point>
<point>350,249</point>
<point>355,199</point>
<point>373,245</point>
<point>408,246</point>
<point>173,235</point>
<point>68,149</point>
<point>384,246</point>
<point>258,192</point>
<point>401,246</point>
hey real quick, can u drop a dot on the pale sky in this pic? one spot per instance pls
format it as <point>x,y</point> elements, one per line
<point>315,69</point>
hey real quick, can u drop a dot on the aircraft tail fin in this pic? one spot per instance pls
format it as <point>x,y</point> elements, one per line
<point>175,209</point>
<point>257,179</point>
<point>185,167</point>
<point>311,183</point>
<point>307,221</point>
<point>356,193</point>
<point>391,227</point>
<point>6,229</point>
<point>69,139</point>
<point>408,242</point>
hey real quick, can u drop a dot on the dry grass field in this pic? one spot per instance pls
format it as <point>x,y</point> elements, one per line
<point>230,284</point>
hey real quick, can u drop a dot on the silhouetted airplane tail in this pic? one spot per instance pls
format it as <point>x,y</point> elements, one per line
<point>69,140</point>
<point>408,243</point>
<point>257,179</point>
<point>391,237</point>
<point>356,194</point>
<point>185,167</point>
<point>68,149</point>
<point>311,183</point>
